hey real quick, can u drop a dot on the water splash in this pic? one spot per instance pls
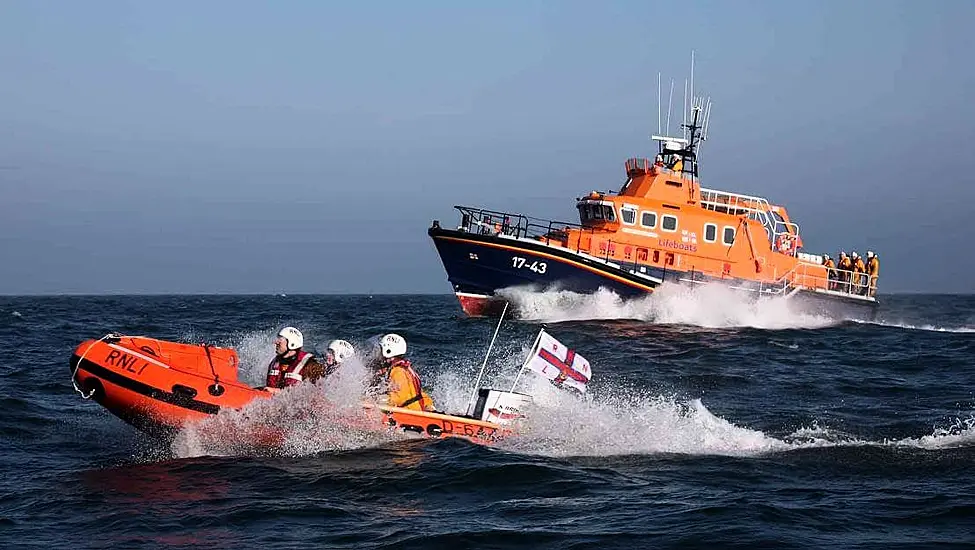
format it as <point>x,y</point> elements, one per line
<point>612,419</point>
<point>925,327</point>
<point>632,424</point>
<point>297,421</point>
<point>960,433</point>
<point>711,306</point>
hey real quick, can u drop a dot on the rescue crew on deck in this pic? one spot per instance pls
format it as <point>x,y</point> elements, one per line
<point>291,365</point>
<point>859,274</point>
<point>403,388</point>
<point>830,271</point>
<point>873,270</point>
<point>845,267</point>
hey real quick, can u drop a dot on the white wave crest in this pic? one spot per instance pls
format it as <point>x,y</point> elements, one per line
<point>924,327</point>
<point>710,305</point>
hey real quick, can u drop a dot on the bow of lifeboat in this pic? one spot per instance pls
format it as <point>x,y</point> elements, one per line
<point>159,386</point>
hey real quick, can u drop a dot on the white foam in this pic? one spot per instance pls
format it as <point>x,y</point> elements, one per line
<point>961,433</point>
<point>710,305</point>
<point>297,421</point>
<point>925,327</point>
<point>610,420</point>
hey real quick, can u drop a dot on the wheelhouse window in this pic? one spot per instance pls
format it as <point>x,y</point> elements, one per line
<point>729,235</point>
<point>649,219</point>
<point>589,212</point>
<point>710,232</point>
<point>628,215</point>
<point>668,222</point>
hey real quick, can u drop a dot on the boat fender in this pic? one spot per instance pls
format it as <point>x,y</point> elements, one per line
<point>434,430</point>
<point>215,390</point>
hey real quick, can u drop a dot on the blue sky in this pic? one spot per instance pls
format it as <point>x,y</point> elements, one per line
<point>306,146</point>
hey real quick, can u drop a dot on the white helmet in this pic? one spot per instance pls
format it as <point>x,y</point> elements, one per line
<point>392,345</point>
<point>293,337</point>
<point>870,253</point>
<point>854,254</point>
<point>341,350</point>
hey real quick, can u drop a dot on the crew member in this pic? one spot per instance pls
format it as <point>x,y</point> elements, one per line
<point>830,271</point>
<point>403,388</point>
<point>291,365</point>
<point>873,270</point>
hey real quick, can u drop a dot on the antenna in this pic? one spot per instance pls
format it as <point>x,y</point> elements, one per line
<point>692,76</point>
<point>685,109</point>
<point>670,103</point>
<point>477,382</point>
<point>707,119</point>
<point>658,102</point>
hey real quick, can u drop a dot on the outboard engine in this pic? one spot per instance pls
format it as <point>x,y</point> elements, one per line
<point>500,407</point>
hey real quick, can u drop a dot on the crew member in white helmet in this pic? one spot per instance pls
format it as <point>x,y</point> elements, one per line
<point>403,388</point>
<point>337,351</point>
<point>291,365</point>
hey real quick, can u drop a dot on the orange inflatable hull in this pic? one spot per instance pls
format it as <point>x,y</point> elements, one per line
<point>159,387</point>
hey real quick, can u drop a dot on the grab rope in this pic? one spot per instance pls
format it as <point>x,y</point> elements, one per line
<point>74,374</point>
<point>214,389</point>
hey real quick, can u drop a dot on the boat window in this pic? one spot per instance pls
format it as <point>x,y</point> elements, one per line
<point>609,213</point>
<point>729,235</point>
<point>628,215</point>
<point>649,219</point>
<point>710,232</point>
<point>668,223</point>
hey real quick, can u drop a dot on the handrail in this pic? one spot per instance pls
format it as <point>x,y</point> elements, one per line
<point>738,203</point>
<point>836,280</point>
<point>519,226</point>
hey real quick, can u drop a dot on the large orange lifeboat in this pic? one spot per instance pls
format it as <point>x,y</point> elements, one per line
<point>160,386</point>
<point>660,226</point>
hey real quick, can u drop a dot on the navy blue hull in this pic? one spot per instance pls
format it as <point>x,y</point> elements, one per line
<point>479,265</point>
<point>484,264</point>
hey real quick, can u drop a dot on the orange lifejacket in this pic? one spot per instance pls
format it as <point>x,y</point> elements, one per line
<point>405,389</point>
<point>784,244</point>
<point>873,266</point>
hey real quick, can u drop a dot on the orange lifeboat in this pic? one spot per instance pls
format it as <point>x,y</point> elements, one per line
<point>160,387</point>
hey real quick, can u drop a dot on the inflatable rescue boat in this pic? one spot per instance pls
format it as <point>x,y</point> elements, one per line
<point>159,387</point>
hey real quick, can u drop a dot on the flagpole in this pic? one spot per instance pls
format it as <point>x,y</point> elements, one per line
<point>477,382</point>
<point>531,354</point>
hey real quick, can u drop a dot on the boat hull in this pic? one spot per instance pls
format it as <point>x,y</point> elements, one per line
<point>480,267</point>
